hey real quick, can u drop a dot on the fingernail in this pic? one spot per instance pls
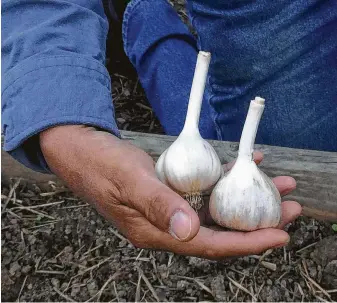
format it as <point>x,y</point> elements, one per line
<point>180,225</point>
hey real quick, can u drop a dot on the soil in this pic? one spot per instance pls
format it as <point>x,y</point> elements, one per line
<point>55,247</point>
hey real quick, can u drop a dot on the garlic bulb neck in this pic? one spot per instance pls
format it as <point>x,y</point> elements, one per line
<point>245,198</point>
<point>197,92</point>
<point>251,125</point>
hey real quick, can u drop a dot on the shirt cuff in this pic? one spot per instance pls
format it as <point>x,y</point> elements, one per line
<point>44,92</point>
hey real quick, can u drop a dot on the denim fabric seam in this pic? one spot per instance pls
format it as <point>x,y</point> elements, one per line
<point>125,24</point>
<point>75,120</point>
<point>49,66</point>
<point>46,57</point>
<point>214,112</point>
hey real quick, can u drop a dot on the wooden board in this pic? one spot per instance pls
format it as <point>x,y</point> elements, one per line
<point>314,171</point>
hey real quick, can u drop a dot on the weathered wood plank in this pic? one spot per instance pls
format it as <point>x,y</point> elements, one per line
<point>314,171</point>
<point>13,169</point>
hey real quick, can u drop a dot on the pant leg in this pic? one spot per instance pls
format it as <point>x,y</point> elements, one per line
<point>284,51</point>
<point>164,53</point>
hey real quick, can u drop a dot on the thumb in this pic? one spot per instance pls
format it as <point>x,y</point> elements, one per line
<point>165,209</point>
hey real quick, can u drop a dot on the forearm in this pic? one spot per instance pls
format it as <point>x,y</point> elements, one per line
<point>53,55</point>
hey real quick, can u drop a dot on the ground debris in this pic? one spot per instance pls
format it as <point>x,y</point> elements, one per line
<point>95,262</point>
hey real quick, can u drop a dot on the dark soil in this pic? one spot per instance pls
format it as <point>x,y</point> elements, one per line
<point>55,247</point>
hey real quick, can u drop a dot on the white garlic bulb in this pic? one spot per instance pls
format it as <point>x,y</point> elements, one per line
<point>190,165</point>
<point>246,198</point>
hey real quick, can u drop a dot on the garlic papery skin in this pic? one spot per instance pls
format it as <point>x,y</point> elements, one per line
<point>190,165</point>
<point>245,198</point>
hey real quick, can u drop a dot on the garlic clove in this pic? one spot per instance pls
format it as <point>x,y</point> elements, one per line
<point>245,198</point>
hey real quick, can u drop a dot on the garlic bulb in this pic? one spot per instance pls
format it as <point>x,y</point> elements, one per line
<point>190,165</point>
<point>245,198</point>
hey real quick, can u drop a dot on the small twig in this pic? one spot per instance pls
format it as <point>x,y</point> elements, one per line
<point>75,206</point>
<point>191,279</point>
<point>280,277</point>
<point>135,87</point>
<point>58,191</point>
<point>55,257</point>
<point>237,289</point>
<point>21,289</point>
<point>331,291</point>
<point>99,293</point>
<point>11,193</point>
<point>305,267</point>
<point>252,291</point>
<point>317,286</point>
<point>148,284</point>
<point>306,247</point>
<point>241,287</point>
<point>117,234</point>
<point>39,206</point>
<point>137,296</point>
<point>50,272</point>
<point>258,292</point>
<point>231,288</point>
<point>140,253</point>
<point>45,224</point>
<point>105,285</point>
<point>308,279</point>
<point>300,290</point>
<point>64,296</point>
<point>23,239</point>
<point>16,201</point>
<point>77,251</point>
<point>204,287</point>
<point>91,250</point>
<point>135,258</point>
<point>144,295</point>
<point>143,106</point>
<point>154,265</point>
<point>169,263</point>
<point>268,265</point>
<point>115,289</point>
<point>37,263</point>
<point>320,298</point>
<point>38,213</point>
<point>94,266</point>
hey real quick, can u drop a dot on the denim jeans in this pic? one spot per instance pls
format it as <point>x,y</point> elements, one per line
<point>284,51</point>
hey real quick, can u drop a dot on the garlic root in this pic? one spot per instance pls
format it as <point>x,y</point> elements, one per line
<point>195,200</point>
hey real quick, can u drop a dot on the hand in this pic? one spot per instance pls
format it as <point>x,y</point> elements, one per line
<point>119,180</point>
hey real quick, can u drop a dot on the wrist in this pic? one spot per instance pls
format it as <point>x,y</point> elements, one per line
<point>58,130</point>
<point>60,135</point>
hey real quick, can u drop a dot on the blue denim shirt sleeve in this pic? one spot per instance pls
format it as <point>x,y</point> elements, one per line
<point>53,73</point>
